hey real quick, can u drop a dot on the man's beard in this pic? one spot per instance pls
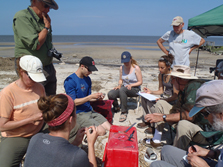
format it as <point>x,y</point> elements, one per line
<point>217,123</point>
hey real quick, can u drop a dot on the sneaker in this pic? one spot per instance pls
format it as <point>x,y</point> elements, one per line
<point>150,155</point>
<point>141,125</point>
<point>149,130</point>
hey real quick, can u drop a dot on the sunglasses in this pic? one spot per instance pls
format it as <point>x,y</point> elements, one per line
<point>87,68</point>
<point>205,113</point>
<point>45,5</point>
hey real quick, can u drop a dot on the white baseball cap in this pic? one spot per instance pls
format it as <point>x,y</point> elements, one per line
<point>33,66</point>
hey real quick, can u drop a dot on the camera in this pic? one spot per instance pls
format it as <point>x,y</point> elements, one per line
<point>53,53</point>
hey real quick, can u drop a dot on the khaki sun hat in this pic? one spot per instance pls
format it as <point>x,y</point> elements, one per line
<point>177,21</point>
<point>209,94</point>
<point>182,71</point>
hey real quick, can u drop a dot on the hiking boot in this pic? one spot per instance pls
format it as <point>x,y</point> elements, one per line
<point>141,125</point>
<point>152,144</point>
<point>150,130</point>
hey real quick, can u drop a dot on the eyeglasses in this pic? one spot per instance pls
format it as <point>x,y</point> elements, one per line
<point>87,68</point>
<point>205,113</point>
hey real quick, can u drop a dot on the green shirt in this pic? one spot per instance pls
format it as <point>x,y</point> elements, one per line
<point>186,98</point>
<point>26,30</point>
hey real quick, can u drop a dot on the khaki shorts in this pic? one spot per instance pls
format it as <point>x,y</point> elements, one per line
<point>86,119</point>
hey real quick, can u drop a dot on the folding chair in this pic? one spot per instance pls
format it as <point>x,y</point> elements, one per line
<point>136,99</point>
<point>214,68</point>
<point>212,137</point>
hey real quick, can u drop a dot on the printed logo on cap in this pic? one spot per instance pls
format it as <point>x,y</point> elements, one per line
<point>39,70</point>
<point>93,63</point>
<point>124,56</point>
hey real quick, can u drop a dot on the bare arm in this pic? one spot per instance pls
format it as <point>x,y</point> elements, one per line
<point>197,46</point>
<point>175,117</point>
<point>91,140</point>
<point>160,88</point>
<point>160,44</point>
<point>120,79</point>
<point>44,32</point>
<point>6,125</point>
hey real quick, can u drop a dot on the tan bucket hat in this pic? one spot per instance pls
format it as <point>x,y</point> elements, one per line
<point>182,71</point>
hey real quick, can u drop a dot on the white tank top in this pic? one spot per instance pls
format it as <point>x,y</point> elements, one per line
<point>130,78</point>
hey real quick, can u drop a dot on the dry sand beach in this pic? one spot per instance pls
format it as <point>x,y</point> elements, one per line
<point>107,58</point>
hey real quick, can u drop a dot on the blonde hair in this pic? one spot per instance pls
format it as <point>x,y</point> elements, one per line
<point>134,62</point>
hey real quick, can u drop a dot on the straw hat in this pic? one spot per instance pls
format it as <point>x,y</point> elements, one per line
<point>182,71</point>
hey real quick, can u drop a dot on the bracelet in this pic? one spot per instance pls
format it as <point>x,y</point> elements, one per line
<point>47,29</point>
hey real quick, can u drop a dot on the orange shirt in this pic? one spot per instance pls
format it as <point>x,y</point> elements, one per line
<point>18,104</point>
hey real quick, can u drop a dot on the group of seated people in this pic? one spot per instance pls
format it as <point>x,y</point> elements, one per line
<point>177,90</point>
<point>49,129</point>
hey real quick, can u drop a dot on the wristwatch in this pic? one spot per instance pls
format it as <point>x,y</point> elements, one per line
<point>164,118</point>
<point>47,29</point>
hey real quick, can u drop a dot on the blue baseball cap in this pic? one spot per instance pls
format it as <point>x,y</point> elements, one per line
<point>125,57</point>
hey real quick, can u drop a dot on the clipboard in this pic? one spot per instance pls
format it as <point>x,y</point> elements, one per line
<point>149,97</point>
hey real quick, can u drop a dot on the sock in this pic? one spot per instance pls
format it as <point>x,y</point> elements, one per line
<point>156,138</point>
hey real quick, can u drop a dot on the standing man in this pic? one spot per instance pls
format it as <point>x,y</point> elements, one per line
<point>33,36</point>
<point>78,86</point>
<point>181,42</point>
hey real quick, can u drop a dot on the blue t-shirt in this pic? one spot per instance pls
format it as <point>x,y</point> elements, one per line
<point>77,87</point>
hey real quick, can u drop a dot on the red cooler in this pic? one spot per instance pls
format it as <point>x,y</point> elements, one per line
<point>122,148</point>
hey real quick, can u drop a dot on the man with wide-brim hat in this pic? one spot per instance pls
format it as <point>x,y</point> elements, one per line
<point>187,85</point>
<point>209,102</point>
<point>33,36</point>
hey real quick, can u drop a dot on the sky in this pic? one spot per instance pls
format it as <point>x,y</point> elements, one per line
<point>111,17</point>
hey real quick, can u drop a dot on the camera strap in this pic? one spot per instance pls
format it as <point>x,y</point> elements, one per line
<point>36,22</point>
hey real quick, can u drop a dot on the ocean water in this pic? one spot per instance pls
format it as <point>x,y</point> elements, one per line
<point>109,40</point>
